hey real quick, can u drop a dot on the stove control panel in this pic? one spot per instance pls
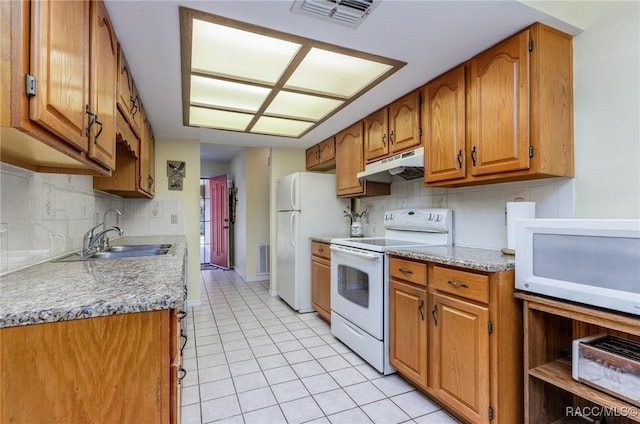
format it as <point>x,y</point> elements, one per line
<point>429,220</point>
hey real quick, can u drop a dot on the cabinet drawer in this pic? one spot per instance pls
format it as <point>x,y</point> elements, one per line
<point>414,272</point>
<point>320,249</point>
<point>462,283</point>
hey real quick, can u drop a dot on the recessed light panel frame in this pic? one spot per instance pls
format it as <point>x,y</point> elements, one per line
<point>242,77</point>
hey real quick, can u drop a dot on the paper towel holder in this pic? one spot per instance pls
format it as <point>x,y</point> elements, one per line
<point>507,250</point>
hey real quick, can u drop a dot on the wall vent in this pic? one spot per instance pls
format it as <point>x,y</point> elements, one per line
<point>349,13</point>
<point>264,259</point>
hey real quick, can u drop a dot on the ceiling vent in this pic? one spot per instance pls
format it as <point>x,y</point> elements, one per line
<point>348,13</point>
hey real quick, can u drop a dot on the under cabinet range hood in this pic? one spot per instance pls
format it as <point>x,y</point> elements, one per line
<point>408,165</point>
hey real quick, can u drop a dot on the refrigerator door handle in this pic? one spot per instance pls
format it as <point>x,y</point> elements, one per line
<point>292,193</point>
<point>291,237</point>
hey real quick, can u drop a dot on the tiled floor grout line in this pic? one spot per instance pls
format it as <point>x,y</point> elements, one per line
<point>240,302</point>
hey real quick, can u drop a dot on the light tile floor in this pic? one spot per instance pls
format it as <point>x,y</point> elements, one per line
<point>251,359</point>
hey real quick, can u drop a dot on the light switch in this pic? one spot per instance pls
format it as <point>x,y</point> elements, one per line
<point>174,218</point>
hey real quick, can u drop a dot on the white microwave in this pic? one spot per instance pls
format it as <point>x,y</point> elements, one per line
<point>591,261</point>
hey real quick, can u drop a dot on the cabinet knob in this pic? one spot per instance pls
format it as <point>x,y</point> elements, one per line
<point>460,159</point>
<point>420,306</point>
<point>457,284</point>
<point>473,155</point>
<point>405,271</point>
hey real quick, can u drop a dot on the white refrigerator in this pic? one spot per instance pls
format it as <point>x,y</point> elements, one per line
<point>307,206</point>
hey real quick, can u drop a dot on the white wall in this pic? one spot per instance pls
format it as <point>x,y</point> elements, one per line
<point>607,111</point>
<point>185,203</point>
<point>283,162</point>
<point>213,169</point>
<point>249,170</point>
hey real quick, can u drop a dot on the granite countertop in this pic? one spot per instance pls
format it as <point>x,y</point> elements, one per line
<point>327,239</point>
<point>59,291</point>
<point>464,257</point>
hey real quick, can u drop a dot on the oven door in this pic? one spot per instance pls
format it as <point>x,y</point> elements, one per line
<point>357,287</point>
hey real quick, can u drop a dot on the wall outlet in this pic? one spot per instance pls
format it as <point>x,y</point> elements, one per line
<point>174,218</point>
<point>439,201</point>
<point>155,209</point>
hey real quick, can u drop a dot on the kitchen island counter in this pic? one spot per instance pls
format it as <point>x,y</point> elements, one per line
<point>465,257</point>
<point>60,291</point>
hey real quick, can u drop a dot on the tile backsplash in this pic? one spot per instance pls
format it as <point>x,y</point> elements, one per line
<point>478,211</point>
<point>46,215</point>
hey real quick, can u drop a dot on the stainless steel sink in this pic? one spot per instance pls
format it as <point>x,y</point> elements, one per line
<point>126,251</point>
<point>139,247</point>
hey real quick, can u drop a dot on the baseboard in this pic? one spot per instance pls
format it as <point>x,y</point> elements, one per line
<point>273,293</point>
<point>193,303</point>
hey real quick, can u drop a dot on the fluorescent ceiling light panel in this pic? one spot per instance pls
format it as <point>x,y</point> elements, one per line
<point>241,77</point>
<point>212,118</point>
<point>230,52</point>
<point>279,126</point>
<point>299,105</point>
<point>323,71</point>
<point>226,94</point>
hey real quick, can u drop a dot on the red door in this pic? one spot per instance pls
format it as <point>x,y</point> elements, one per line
<point>219,221</point>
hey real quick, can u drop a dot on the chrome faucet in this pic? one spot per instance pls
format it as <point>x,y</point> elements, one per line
<point>104,216</point>
<point>98,242</point>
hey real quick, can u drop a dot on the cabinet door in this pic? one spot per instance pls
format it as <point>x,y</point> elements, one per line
<point>321,286</point>
<point>349,160</point>
<point>104,71</point>
<point>376,143</point>
<point>59,61</point>
<point>499,107</point>
<point>443,121</point>
<point>125,86</point>
<point>147,165</point>
<point>312,158</point>
<point>460,356</point>
<point>404,122</point>
<point>408,331</point>
<point>327,150</point>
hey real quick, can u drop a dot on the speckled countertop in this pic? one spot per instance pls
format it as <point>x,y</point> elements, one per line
<point>59,291</point>
<point>465,257</point>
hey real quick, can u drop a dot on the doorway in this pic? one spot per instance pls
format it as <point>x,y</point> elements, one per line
<point>215,224</point>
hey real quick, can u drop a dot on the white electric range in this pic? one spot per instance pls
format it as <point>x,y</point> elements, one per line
<point>360,281</point>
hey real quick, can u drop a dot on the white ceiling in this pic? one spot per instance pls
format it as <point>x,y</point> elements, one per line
<point>431,36</point>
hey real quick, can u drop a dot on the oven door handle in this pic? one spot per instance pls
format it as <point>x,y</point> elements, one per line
<point>370,256</point>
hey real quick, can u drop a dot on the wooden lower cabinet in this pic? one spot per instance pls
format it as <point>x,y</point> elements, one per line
<point>464,347</point>
<point>321,279</point>
<point>408,331</point>
<point>117,368</point>
<point>460,356</point>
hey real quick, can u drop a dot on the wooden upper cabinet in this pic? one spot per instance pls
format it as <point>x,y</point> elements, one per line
<point>147,156</point>
<point>349,160</point>
<point>404,122</point>
<point>125,97</point>
<point>59,63</point>
<point>443,123</point>
<point>394,128</point>
<point>321,156</point>
<point>499,104</point>
<point>104,70</point>
<point>376,137</point>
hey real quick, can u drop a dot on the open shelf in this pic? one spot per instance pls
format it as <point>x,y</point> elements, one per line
<point>550,327</point>
<point>558,373</point>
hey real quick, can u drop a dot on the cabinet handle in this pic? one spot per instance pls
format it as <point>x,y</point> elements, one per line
<point>434,314</point>
<point>420,306</point>
<point>391,137</point>
<point>95,139</point>
<point>184,343</point>
<point>473,155</point>
<point>92,120</point>
<point>460,159</point>
<point>134,106</point>
<point>181,315</point>
<point>456,284</point>
<point>405,271</point>
<point>184,374</point>
<point>384,140</point>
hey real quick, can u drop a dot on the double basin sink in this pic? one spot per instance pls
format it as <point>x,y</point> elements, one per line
<point>125,251</point>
